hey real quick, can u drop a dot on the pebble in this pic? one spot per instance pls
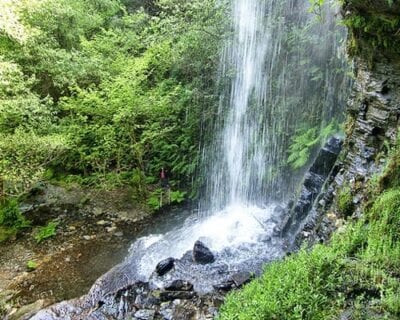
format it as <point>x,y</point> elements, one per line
<point>111,229</point>
<point>87,238</point>
<point>119,234</point>
<point>102,222</point>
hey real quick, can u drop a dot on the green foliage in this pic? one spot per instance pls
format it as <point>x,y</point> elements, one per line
<point>357,271</point>
<point>155,200</point>
<point>372,30</point>
<point>31,265</point>
<point>11,219</point>
<point>178,196</point>
<point>160,197</point>
<point>48,231</point>
<point>106,96</point>
<point>11,216</point>
<point>345,201</point>
<point>301,147</point>
<point>305,141</point>
<point>24,157</point>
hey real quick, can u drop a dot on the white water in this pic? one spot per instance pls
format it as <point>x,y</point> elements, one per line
<point>232,227</point>
<point>269,92</point>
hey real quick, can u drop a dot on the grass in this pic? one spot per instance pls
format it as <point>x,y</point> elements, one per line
<point>357,273</point>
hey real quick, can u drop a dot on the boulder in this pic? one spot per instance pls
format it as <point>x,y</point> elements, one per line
<point>202,254</point>
<point>179,285</point>
<point>165,266</point>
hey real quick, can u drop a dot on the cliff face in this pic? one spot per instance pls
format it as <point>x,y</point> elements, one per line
<point>373,119</point>
<point>373,113</point>
<point>373,110</point>
<point>374,107</point>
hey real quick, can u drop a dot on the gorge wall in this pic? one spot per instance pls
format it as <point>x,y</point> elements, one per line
<point>373,113</point>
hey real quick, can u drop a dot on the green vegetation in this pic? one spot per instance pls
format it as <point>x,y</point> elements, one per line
<point>160,197</point>
<point>104,94</point>
<point>11,219</point>
<point>357,273</point>
<point>305,142</point>
<point>48,231</point>
<point>345,201</point>
<point>31,265</point>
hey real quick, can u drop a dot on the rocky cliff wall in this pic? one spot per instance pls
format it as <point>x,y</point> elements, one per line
<point>373,113</point>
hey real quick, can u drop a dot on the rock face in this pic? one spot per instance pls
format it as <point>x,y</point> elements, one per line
<point>373,114</point>
<point>201,254</point>
<point>312,186</point>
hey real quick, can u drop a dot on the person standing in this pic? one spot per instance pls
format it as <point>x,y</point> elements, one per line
<point>164,178</point>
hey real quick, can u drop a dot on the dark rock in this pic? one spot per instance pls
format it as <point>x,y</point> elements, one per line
<point>241,278</point>
<point>165,266</point>
<point>172,295</point>
<point>224,286</point>
<point>179,285</point>
<point>326,158</point>
<point>313,182</point>
<point>202,254</point>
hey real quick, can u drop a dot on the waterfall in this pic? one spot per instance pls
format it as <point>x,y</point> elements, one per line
<point>281,73</point>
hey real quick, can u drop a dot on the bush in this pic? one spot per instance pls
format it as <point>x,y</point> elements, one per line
<point>11,216</point>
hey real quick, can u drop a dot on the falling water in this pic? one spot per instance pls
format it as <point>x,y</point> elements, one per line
<point>280,72</point>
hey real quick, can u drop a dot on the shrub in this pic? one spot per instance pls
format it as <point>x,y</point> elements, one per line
<point>11,216</point>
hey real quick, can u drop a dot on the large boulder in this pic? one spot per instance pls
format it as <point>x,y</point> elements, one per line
<point>202,254</point>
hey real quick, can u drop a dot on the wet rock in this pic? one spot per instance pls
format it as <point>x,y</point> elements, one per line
<point>145,314</point>
<point>202,254</point>
<point>179,285</point>
<point>165,266</point>
<point>312,186</point>
<point>327,157</point>
<point>227,285</point>
<point>166,311</point>
<point>241,278</point>
<point>173,295</point>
